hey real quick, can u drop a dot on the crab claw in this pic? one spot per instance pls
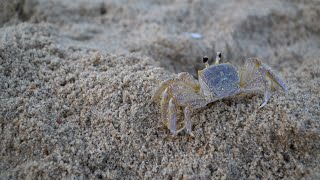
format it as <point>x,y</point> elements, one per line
<point>272,75</point>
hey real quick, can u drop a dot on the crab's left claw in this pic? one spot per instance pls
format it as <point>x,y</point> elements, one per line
<point>267,94</point>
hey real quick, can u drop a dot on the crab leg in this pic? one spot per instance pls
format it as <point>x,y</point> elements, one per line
<point>164,105</point>
<point>187,119</point>
<point>275,78</point>
<point>255,75</point>
<point>254,63</point>
<point>172,117</point>
<point>267,93</point>
<point>252,81</point>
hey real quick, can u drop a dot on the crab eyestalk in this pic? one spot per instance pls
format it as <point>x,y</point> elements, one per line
<point>205,60</point>
<point>218,58</point>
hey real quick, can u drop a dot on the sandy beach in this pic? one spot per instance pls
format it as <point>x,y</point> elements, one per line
<point>76,80</point>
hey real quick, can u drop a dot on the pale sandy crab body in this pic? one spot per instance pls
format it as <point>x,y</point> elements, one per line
<point>215,82</point>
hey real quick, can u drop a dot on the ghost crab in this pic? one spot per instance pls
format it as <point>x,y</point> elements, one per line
<point>216,82</point>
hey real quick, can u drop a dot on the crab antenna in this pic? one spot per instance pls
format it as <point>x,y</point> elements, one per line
<point>218,58</point>
<point>205,60</point>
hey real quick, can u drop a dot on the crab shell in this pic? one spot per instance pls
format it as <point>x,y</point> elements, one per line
<point>219,80</point>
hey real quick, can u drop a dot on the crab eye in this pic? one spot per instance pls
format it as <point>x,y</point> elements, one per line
<point>219,54</point>
<point>205,59</point>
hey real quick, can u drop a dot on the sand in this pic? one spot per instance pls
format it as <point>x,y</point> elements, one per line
<point>76,81</point>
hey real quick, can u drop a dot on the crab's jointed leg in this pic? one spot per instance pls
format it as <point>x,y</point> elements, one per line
<point>172,117</point>
<point>187,119</point>
<point>267,93</point>
<point>164,105</point>
<point>275,78</point>
<point>255,75</point>
<point>182,91</point>
<point>187,98</point>
<point>252,65</point>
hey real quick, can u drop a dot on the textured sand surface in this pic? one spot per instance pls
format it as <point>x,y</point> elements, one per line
<point>76,79</point>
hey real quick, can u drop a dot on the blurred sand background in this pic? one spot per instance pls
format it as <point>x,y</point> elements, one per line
<point>76,79</point>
